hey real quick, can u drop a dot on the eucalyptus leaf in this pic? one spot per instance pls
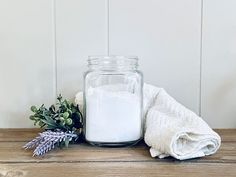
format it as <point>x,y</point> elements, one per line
<point>67,141</point>
<point>64,116</point>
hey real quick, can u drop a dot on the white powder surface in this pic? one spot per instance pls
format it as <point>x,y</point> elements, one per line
<point>112,115</point>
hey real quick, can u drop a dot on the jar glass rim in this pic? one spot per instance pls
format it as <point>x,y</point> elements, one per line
<point>112,57</point>
<point>113,62</point>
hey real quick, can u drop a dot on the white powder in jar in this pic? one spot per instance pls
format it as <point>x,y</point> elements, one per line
<point>112,116</point>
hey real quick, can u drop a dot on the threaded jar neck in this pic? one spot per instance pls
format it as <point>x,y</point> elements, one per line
<point>113,62</point>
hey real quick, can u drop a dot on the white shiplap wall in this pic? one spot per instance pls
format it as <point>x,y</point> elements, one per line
<point>81,30</point>
<point>166,37</point>
<point>26,59</point>
<point>219,63</point>
<point>185,46</point>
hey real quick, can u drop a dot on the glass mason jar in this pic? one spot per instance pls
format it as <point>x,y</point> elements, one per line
<point>113,101</point>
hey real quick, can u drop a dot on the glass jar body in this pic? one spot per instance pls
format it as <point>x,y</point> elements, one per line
<point>113,103</point>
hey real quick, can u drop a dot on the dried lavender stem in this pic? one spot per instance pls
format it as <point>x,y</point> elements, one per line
<point>47,140</point>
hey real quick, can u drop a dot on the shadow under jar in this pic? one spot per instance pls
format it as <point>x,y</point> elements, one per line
<point>113,101</point>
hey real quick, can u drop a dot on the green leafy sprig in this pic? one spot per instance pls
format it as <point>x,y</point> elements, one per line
<point>64,116</point>
<point>62,123</point>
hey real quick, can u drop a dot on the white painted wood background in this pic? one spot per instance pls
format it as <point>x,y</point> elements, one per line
<point>186,46</point>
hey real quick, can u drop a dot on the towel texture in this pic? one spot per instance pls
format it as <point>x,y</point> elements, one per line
<point>171,129</point>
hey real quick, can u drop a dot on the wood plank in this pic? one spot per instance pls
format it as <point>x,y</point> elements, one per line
<point>86,160</point>
<point>18,134</point>
<point>227,134</point>
<point>11,152</point>
<point>26,134</point>
<point>149,169</point>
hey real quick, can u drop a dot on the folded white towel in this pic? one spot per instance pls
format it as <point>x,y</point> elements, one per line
<point>171,129</point>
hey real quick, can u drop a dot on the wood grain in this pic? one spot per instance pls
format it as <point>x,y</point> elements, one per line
<point>85,160</point>
<point>13,152</point>
<point>123,169</point>
<point>19,134</point>
<point>227,134</point>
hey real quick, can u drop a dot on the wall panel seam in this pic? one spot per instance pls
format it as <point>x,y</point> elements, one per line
<point>200,73</point>
<point>55,69</point>
<point>108,26</point>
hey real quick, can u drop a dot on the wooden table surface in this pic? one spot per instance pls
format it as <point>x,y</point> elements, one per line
<point>85,160</point>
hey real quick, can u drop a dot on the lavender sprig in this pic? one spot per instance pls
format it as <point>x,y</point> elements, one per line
<point>47,141</point>
<point>35,142</point>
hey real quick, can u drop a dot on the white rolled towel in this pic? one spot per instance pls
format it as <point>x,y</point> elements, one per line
<point>171,129</point>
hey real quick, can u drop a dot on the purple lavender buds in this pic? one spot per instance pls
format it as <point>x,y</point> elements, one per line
<point>48,140</point>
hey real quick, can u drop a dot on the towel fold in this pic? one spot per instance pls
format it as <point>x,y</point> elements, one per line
<point>171,129</point>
